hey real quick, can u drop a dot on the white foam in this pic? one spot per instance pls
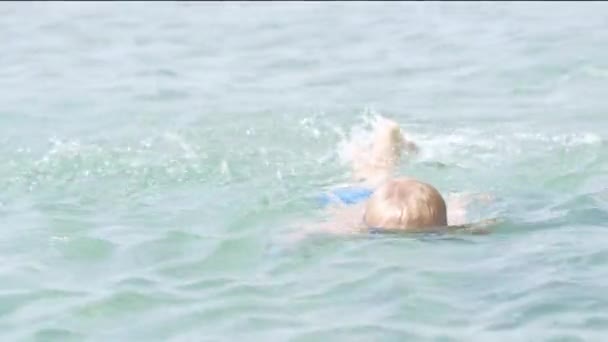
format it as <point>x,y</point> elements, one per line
<point>181,142</point>
<point>491,145</point>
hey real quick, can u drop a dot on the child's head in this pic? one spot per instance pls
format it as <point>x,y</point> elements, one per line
<point>405,204</point>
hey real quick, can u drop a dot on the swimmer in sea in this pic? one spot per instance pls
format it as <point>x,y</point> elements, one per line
<point>383,203</point>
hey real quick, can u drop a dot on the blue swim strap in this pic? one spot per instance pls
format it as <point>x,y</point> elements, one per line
<point>346,195</point>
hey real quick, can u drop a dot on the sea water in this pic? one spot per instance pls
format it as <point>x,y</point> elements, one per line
<point>153,155</point>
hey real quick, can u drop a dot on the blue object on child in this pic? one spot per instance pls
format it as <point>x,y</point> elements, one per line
<point>346,195</point>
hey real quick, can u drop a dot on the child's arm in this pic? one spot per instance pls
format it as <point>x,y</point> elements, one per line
<point>476,228</point>
<point>341,220</point>
<point>457,206</point>
<point>377,162</point>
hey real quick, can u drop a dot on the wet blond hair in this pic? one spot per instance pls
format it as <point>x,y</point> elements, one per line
<point>405,204</point>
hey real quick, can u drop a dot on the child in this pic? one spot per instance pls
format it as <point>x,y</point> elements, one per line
<point>381,203</point>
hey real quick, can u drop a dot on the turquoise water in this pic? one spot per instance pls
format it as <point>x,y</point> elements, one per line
<point>154,155</point>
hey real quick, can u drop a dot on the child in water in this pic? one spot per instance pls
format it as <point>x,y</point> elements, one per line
<point>382,203</point>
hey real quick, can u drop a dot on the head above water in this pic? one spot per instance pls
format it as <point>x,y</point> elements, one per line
<point>406,204</point>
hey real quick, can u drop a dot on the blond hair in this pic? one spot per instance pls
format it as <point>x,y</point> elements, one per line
<point>405,204</point>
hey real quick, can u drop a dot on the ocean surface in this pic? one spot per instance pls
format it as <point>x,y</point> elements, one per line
<point>153,157</point>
